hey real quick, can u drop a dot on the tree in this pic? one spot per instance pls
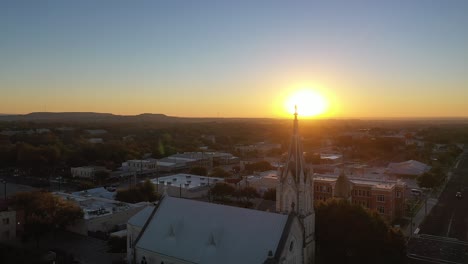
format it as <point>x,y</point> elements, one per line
<point>431,179</point>
<point>101,176</point>
<point>148,191</point>
<point>220,173</point>
<point>221,190</point>
<point>270,194</point>
<point>248,193</point>
<point>259,166</point>
<point>44,212</point>
<point>427,180</point>
<point>144,192</point>
<point>199,170</point>
<point>348,233</point>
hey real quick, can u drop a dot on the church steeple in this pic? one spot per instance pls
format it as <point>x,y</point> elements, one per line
<point>294,178</point>
<point>295,192</point>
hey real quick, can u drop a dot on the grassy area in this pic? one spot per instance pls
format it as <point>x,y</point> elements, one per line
<point>413,206</point>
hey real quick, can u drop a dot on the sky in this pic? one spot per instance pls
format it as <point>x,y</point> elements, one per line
<point>234,58</point>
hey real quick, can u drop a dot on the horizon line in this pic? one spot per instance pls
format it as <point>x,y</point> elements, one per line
<point>271,117</point>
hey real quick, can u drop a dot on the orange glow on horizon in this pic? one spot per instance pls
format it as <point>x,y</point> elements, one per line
<point>310,103</point>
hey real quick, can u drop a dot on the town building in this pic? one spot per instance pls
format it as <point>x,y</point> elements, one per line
<point>140,165</point>
<point>261,181</point>
<point>100,215</point>
<point>410,168</point>
<point>11,222</point>
<point>86,171</point>
<point>261,148</point>
<point>185,185</point>
<point>7,225</point>
<point>386,197</point>
<point>178,162</point>
<point>96,131</point>
<point>95,140</point>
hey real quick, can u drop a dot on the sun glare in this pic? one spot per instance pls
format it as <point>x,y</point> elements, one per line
<point>309,103</point>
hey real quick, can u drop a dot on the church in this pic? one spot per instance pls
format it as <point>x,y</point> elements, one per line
<point>177,231</point>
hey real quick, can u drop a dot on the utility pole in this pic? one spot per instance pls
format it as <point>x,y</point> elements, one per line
<point>411,223</point>
<point>4,189</point>
<point>157,178</point>
<point>425,205</point>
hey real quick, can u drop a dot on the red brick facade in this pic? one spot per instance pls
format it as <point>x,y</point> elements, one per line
<point>385,198</point>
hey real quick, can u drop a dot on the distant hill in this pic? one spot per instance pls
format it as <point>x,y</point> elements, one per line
<point>85,117</point>
<point>111,118</point>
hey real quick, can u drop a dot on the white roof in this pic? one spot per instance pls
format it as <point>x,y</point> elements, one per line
<point>208,233</point>
<point>410,167</point>
<point>186,181</point>
<point>140,218</point>
<point>96,192</point>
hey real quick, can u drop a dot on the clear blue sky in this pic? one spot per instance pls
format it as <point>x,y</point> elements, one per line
<point>234,58</point>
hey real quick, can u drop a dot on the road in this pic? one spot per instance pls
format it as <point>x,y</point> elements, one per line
<point>449,218</point>
<point>444,233</point>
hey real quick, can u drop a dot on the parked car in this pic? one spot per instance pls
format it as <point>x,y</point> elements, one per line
<point>458,195</point>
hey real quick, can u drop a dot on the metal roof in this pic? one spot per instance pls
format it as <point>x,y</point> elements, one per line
<point>201,232</point>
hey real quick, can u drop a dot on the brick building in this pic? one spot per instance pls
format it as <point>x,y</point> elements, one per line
<point>385,197</point>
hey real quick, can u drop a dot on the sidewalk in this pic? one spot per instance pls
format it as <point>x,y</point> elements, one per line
<point>418,218</point>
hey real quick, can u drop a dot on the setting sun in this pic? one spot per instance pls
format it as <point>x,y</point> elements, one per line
<point>308,102</point>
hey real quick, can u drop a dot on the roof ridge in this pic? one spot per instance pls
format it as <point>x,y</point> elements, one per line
<point>145,226</point>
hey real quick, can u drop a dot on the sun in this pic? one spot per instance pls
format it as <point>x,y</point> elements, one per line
<point>309,103</point>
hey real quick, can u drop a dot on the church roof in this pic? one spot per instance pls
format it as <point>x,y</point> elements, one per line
<point>201,232</point>
<point>141,217</point>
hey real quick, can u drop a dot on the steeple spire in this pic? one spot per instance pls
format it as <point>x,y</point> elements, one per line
<point>295,161</point>
<point>295,130</point>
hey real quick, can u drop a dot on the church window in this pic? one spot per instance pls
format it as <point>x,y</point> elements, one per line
<point>291,246</point>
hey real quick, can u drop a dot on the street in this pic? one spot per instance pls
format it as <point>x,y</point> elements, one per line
<point>443,236</point>
<point>449,217</point>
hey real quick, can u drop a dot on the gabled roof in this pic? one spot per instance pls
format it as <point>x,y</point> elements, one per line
<point>410,167</point>
<point>208,233</point>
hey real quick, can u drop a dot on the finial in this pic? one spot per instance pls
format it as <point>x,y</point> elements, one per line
<point>295,120</point>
